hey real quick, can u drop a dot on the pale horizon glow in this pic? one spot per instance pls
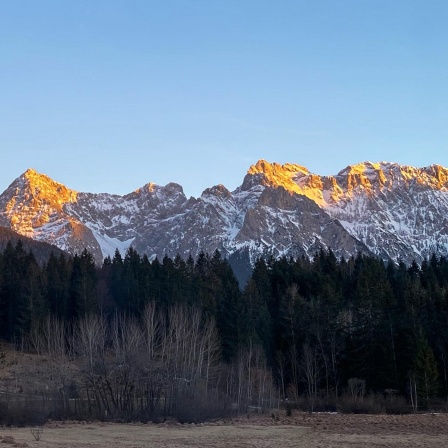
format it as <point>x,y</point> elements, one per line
<point>110,95</point>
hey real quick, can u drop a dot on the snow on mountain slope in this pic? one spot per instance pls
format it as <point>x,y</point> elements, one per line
<point>394,211</point>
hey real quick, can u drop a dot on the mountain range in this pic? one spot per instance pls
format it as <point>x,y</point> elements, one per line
<point>393,211</point>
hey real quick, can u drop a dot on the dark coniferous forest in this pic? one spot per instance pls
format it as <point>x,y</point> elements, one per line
<point>318,330</point>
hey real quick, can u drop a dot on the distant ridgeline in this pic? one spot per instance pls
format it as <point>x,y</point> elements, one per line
<point>40,250</point>
<point>356,318</point>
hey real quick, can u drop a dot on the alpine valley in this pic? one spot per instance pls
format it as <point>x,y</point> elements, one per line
<point>395,212</point>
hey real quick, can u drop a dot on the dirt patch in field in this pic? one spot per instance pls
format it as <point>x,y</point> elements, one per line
<point>300,430</point>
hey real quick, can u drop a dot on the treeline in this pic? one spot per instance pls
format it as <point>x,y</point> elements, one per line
<point>327,324</point>
<point>317,331</point>
<point>70,288</point>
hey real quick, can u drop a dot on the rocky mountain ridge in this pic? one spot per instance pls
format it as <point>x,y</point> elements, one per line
<point>41,251</point>
<point>393,211</point>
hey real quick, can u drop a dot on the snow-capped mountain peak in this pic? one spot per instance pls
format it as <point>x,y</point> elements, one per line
<point>392,210</point>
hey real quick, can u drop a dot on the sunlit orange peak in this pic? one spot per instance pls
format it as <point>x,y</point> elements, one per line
<point>262,166</point>
<point>46,187</point>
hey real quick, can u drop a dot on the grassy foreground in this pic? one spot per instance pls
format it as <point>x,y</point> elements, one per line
<point>300,430</point>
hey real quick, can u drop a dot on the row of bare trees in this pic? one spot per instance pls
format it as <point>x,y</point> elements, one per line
<point>166,363</point>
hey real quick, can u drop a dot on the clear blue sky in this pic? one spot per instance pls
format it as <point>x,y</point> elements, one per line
<point>108,95</point>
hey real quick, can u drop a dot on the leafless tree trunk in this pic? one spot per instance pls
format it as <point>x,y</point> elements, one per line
<point>311,372</point>
<point>36,337</point>
<point>209,351</point>
<point>54,335</point>
<point>295,371</point>
<point>90,338</point>
<point>151,325</point>
<point>413,391</point>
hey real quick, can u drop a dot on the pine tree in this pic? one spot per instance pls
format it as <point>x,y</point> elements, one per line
<point>57,277</point>
<point>227,295</point>
<point>14,315</point>
<point>425,371</point>
<point>83,286</point>
<point>133,297</point>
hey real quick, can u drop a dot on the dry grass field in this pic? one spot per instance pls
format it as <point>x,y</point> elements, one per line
<point>300,430</point>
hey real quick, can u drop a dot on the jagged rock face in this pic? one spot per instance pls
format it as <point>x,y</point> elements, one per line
<point>398,212</point>
<point>34,206</point>
<point>393,211</point>
<point>284,223</point>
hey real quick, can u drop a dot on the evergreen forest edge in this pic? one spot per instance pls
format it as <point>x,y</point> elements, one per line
<point>155,339</point>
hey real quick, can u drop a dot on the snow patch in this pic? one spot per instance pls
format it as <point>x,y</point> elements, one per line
<point>108,245</point>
